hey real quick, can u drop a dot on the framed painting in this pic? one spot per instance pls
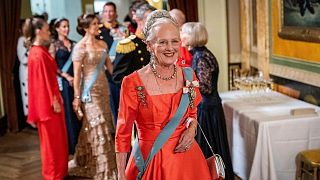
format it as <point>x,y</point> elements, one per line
<point>300,20</point>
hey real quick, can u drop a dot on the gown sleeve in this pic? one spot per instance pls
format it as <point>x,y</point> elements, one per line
<point>78,53</point>
<point>21,51</point>
<point>127,115</point>
<point>205,69</point>
<point>42,85</point>
<point>121,65</point>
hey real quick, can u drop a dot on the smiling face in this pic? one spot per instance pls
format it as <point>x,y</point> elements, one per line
<point>166,44</point>
<point>93,28</point>
<point>63,29</point>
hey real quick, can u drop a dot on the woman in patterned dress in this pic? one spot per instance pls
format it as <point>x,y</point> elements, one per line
<point>95,155</point>
<point>61,49</point>
<point>210,113</point>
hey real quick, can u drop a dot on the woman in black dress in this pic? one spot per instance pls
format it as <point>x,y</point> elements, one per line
<point>194,36</point>
<point>61,48</point>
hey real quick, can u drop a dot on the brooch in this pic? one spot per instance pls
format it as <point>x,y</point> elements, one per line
<point>190,89</point>
<point>141,95</point>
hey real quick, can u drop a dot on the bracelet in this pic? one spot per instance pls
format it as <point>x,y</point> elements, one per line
<point>77,97</point>
<point>189,120</point>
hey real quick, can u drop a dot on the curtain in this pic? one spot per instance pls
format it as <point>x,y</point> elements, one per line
<point>188,7</point>
<point>9,23</point>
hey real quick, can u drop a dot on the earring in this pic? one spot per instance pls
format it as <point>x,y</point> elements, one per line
<point>152,57</point>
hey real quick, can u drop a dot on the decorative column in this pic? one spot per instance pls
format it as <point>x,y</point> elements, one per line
<point>263,37</point>
<point>245,34</point>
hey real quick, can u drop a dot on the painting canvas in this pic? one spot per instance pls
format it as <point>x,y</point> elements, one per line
<point>300,20</point>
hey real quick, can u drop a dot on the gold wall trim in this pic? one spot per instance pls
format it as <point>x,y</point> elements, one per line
<point>303,50</point>
<point>297,33</point>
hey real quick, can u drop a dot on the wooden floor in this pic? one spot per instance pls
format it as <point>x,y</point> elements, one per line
<point>20,156</point>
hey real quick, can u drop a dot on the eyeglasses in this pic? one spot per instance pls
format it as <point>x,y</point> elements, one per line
<point>166,43</point>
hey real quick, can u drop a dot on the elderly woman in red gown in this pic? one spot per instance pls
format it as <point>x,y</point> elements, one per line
<point>150,98</point>
<point>45,103</point>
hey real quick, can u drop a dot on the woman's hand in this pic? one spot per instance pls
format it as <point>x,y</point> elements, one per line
<point>121,176</point>
<point>70,80</point>
<point>56,105</point>
<point>121,158</point>
<point>76,104</point>
<point>186,140</point>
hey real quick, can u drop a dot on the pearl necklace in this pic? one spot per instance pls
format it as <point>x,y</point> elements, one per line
<point>156,74</point>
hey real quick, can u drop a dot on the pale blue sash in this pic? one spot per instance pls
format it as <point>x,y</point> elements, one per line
<point>64,69</point>
<point>86,96</point>
<point>112,50</point>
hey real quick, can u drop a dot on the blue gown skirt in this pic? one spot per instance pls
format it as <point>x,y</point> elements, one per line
<point>72,123</point>
<point>212,121</point>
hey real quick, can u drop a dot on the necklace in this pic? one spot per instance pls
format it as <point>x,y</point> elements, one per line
<point>152,65</point>
<point>168,91</point>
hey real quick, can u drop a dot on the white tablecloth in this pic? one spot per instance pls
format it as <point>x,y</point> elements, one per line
<point>264,138</point>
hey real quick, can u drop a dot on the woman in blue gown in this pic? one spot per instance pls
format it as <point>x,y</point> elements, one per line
<point>210,112</point>
<point>61,48</point>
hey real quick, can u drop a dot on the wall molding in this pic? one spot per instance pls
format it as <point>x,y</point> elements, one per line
<point>235,58</point>
<point>298,64</point>
<point>292,73</point>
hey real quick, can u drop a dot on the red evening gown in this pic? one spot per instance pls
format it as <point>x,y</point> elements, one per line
<point>151,114</point>
<point>43,86</point>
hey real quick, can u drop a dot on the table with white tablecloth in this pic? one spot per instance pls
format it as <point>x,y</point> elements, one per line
<point>264,137</point>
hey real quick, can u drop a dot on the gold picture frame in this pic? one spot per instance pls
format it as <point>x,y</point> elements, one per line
<point>292,25</point>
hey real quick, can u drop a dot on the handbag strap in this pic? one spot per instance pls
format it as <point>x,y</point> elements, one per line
<point>165,134</point>
<point>205,137</point>
<point>218,159</point>
<point>87,87</point>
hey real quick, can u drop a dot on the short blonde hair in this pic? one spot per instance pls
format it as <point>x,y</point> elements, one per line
<point>197,32</point>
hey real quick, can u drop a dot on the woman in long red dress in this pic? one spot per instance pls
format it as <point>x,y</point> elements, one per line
<point>150,98</point>
<point>45,102</point>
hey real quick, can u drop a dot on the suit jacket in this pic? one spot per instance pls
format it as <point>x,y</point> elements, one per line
<point>126,63</point>
<point>106,34</point>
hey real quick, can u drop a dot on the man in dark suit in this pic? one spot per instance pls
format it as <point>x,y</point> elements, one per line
<point>132,54</point>
<point>110,29</point>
